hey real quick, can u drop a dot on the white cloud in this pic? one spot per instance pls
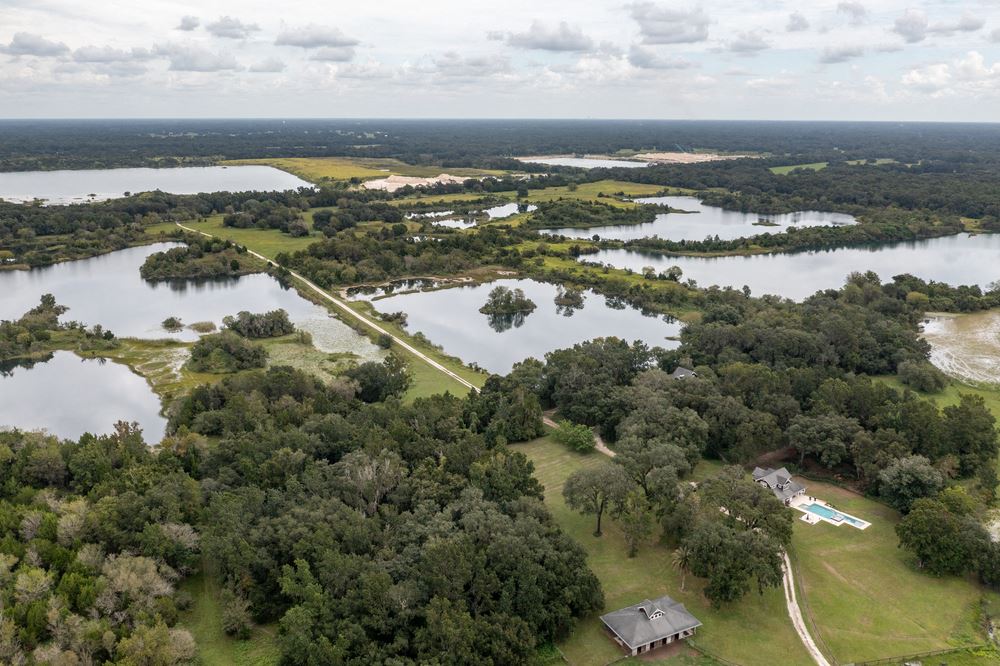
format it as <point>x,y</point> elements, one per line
<point>268,66</point>
<point>189,23</point>
<point>969,75</point>
<point>229,27</point>
<point>644,58</point>
<point>748,43</point>
<point>106,54</point>
<point>995,36</point>
<point>797,22</point>
<point>28,44</point>
<point>189,58</point>
<point>666,25</point>
<point>856,12</point>
<point>965,23</point>
<point>452,64</point>
<point>334,54</point>
<point>911,26</point>
<point>835,54</point>
<point>315,36</point>
<point>542,38</point>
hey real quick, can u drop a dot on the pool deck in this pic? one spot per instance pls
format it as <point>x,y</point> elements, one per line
<point>802,503</point>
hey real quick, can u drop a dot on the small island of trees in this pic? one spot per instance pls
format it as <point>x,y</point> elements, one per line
<point>506,301</point>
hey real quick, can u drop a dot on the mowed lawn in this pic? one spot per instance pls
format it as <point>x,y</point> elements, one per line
<point>753,631</point>
<point>864,593</point>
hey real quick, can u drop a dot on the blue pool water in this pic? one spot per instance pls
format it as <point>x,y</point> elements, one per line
<point>836,516</point>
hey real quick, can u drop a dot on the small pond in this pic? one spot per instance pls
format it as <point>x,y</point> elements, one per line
<point>956,260</point>
<point>65,187</point>
<point>109,291</point>
<point>701,221</point>
<point>451,318</point>
<point>68,396</point>
<point>508,209</point>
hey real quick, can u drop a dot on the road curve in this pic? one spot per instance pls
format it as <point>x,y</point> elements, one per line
<point>357,315</point>
<point>795,613</point>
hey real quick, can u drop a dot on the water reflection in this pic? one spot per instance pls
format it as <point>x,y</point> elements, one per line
<point>957,260</point>
<point>64,187</point>
<point>700,221</point>
<point>451,318</point>
<point>109,291</point>
<point>68,396</point>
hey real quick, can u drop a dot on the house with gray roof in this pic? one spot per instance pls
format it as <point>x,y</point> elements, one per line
<point>778,481</point>
<point>650,624</point>
<point>683,373</point>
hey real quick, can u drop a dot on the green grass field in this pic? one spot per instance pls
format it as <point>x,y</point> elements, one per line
<point>785,170</point>
<point>865,595</point>
<point>268,242</point>
<point>215,648</point>
<point>754,631</point>
<point>317,169</point>
<point>589,192</point>
<point>817,166</point>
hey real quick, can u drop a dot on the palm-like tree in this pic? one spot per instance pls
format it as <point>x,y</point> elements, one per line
<point>681,561</point>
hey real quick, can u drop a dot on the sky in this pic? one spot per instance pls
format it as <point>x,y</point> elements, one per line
<point>755,59</point>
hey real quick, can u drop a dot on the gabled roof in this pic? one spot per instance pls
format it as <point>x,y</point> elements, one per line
<point>650,621</point>
<point>681,373</point>
<point>779,481</point>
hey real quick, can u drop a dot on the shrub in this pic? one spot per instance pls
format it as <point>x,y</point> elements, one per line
<point>574,435</point>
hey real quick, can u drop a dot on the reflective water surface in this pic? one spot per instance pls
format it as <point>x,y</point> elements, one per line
<point>63,187</point>
<point>68,396</point>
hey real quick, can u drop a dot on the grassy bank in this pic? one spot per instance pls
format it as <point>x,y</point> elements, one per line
<point>754,631</point>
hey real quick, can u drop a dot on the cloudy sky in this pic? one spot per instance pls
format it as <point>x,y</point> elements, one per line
<point>754,59</point>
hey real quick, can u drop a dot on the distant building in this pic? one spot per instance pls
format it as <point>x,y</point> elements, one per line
<point>683,373</point>
<point>779,482</point>
<point>650,624</point>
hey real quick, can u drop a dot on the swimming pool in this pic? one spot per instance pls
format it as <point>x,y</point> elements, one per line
<point>834,516</point>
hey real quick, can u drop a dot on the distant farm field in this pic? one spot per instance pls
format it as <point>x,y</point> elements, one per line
<point>318,169</point>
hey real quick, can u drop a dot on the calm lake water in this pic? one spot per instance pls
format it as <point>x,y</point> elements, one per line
<point>68,396</point>
<point>108,290</point>
<point>703,221</point>
<point>506,210</point>
<point>956,260</point>
<point>584,162</point>
<point>63,187</point>
<point>451,318</point>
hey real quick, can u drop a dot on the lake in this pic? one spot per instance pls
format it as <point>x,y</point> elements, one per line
<point>702,221</point>
<point>956,260</point>
<point>68,396</point>
<point>108,290</point>
<point>65,187</point>
<point>584,162</point>
<point>451,318</point>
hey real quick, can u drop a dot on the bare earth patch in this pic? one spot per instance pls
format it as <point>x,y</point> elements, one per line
<point>686,158</point>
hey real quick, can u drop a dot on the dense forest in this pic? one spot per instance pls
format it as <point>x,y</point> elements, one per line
<point>53,144</point>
